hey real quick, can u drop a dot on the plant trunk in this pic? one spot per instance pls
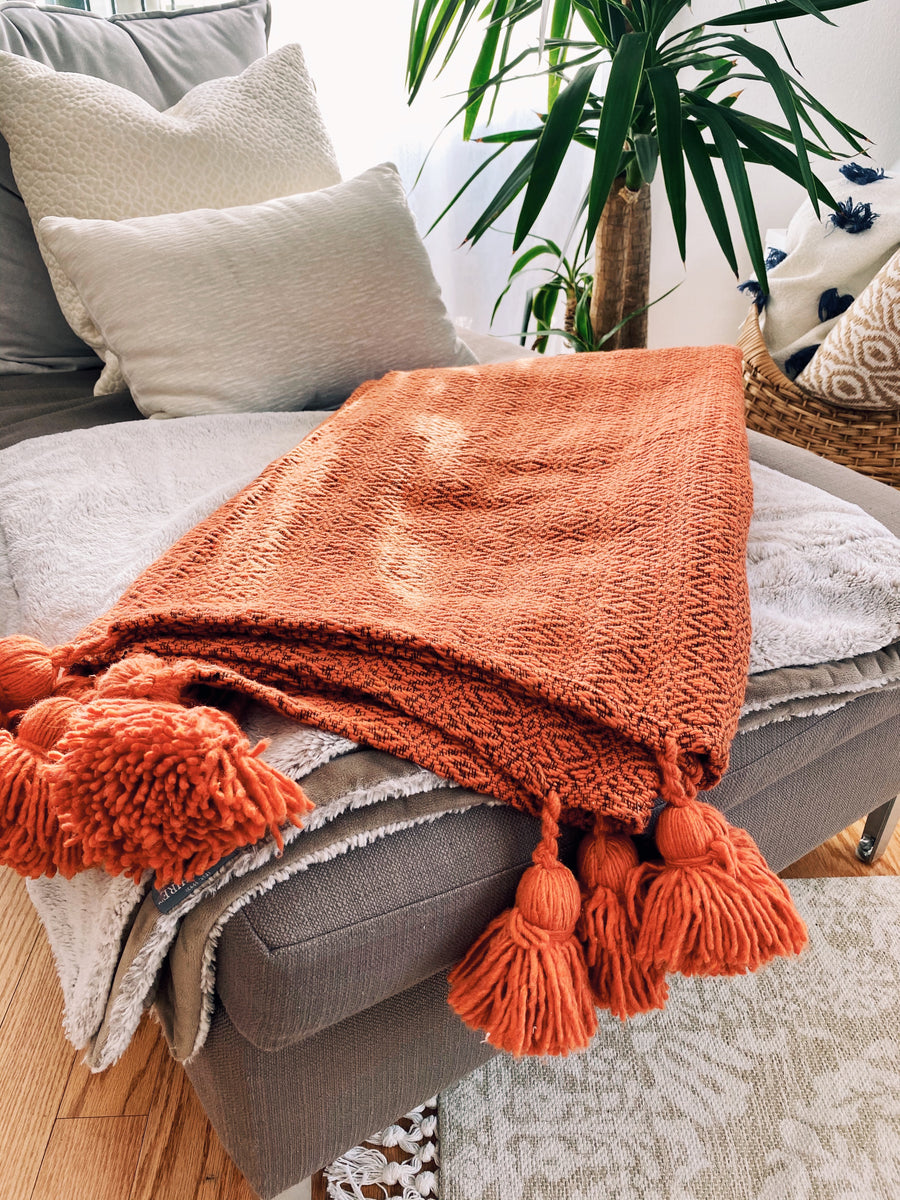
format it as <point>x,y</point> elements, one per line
<point>571,305</point>
<point>622,267</point>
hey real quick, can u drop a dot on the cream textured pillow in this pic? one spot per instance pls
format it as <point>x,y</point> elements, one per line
<point>281,305</point>
<point>82,147</point>
<point>858,364</point>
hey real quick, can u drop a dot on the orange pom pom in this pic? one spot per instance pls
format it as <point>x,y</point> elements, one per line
<point>27,672</point>
<point>149,784</point>
<point>31,841</point>
<point>621,982</point>
<point>713,907</point>
<point>44,723</point>
<point>78,687</point>
<point>146,677</point>
<point>524,982</point>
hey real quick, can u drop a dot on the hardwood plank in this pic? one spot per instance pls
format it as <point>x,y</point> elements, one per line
<point>36,1062</point>
<point>319,1186</point>
<point>838,857</point>
<point>20,925</point>
<point>124,1090</point>
<point>90,1158</point>
<point>182,1158</point>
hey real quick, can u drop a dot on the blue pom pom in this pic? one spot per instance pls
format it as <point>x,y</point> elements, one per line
<point>853,218</point>
<point>832,304</point>
<point>862,175</point>
<point>774,256</point>
<point>755,292</point>
<point>798,361</point>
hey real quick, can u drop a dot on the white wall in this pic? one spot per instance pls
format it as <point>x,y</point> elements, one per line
<point>359,72</point>
<point>853,70</point>
<point>357,55</point>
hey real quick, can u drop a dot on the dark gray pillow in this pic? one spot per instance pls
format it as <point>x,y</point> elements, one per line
<point>159,56</point>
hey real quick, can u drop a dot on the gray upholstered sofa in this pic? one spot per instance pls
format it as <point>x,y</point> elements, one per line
<point>330,1015</point>
<point>331,1018</point>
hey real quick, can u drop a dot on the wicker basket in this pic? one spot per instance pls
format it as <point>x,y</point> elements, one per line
<point>867,441</point>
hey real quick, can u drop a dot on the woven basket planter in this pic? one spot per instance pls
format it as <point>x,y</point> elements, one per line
<point>867,441</point>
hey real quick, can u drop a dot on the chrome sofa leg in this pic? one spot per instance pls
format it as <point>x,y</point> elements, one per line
<point>880,825</point>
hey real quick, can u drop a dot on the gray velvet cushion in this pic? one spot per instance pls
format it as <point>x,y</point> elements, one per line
<point>157,55</point>
<point>35,405</point>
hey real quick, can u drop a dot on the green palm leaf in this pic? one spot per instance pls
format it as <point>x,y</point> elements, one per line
<point>782,11</point>
<point>559,129</point>
<point>506,193</point>
<point>484,66</point>
<point>776,77</point>
<point>667,100</point>
<point>733,161</point>
<point>697,154</point>
<point>621,92</point>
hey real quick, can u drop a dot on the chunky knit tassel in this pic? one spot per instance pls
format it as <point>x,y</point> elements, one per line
<point>117,773</point>
<point>151,784</point>
<point>31,841</point>
<point>524,982</point>
<point>27,672</point>
<point>621,982</point>
<point>713,907</point>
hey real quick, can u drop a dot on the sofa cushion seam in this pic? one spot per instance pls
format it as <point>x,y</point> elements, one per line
<point>273,952</point>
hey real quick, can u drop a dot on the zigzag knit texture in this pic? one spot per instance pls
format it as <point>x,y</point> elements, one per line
<point>522,576</point>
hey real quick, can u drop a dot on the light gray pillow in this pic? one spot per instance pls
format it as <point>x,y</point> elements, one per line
<point>83,147</point>
<point>286,304</point>
<point>157,55</point>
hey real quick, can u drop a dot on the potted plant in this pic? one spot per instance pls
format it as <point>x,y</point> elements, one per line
<point>670,100</point>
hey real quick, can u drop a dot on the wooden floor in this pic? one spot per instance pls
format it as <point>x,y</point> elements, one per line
<point>137,1132</point>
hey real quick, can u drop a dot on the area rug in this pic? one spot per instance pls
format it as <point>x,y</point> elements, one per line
<point>783,1085</point>
<point>399,1163</point>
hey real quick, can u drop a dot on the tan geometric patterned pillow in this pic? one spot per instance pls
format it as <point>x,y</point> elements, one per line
<point>858,364</point>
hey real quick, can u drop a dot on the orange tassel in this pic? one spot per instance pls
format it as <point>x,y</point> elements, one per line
<point>146,677</point>
<point>524,982</point>
<point>713,907</point>
<point>31,841</point>
<point>78,687</point>
<point>27,672</point>
<point>621,982</point>
<point>150,784</point>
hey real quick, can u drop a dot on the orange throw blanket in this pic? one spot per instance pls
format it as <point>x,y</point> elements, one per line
<point>528,577</point>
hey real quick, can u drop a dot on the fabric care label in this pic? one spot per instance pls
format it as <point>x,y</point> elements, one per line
<point>171,897</point>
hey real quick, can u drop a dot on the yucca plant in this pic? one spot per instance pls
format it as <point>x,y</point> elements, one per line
<point>671,98</point>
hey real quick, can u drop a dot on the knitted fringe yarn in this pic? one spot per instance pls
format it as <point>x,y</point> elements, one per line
<point>31,839</point>
<point>27,672</point>
<point>125,777</point>
<point>713,907</point>
<point>150,784</point>
<point>524,981</point>
<point>402,1161</point>
<point>621,981</point>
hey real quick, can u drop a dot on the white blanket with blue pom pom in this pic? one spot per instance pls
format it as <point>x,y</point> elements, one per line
<point>820,264</point>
